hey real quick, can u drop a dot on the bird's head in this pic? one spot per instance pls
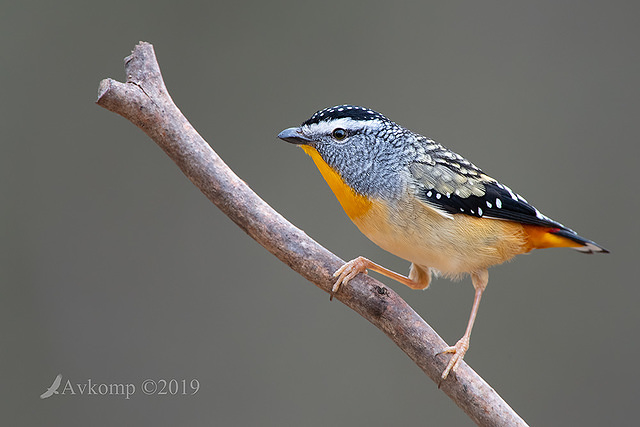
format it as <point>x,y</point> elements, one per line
<point>360,144</point>
<point>339,128</point>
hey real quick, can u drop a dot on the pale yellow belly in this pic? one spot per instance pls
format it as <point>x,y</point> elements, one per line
<point>453,246</point>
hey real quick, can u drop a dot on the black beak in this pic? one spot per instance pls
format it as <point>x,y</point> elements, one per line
<point>293,135</point>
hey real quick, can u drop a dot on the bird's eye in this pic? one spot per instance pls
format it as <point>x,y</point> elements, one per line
<point>339,134</point>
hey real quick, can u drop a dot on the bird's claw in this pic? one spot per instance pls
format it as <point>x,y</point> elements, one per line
<point>458,351</point>
<point>347,272</point>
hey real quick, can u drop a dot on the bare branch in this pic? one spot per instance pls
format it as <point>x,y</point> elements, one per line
<point>144,100</point>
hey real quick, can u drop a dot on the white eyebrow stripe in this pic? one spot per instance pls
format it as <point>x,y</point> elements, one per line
<point>326,127</point>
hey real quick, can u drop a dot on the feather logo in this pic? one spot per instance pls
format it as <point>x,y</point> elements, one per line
<point>53,389</point>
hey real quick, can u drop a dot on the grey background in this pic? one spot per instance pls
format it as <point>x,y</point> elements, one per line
<point>115,268</point>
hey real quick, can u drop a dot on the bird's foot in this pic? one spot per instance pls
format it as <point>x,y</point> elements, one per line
<point>348,271</point>
<point>458,351</point>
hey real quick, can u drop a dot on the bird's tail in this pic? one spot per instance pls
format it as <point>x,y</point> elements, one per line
<point>587,246</point>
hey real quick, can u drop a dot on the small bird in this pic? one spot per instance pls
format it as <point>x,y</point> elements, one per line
<point>53,389</point>
<point>424,203</point>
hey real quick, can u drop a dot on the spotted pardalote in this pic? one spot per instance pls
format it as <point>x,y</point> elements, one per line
<point>424,203</point>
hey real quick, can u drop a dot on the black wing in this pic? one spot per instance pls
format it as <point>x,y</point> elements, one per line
<point>498,201</point>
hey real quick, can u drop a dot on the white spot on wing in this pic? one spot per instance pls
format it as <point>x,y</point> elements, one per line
<point>511,193</point>
<point>539,214</point>
<point>498,203</point>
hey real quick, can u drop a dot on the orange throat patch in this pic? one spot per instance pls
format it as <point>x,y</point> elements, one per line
<point>355,205</point>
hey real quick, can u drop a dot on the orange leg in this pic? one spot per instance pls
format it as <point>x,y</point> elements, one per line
<point>361,265</point>
<point>479,283</point>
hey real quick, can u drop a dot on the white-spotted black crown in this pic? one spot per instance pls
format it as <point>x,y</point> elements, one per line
<point>344,111</point>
